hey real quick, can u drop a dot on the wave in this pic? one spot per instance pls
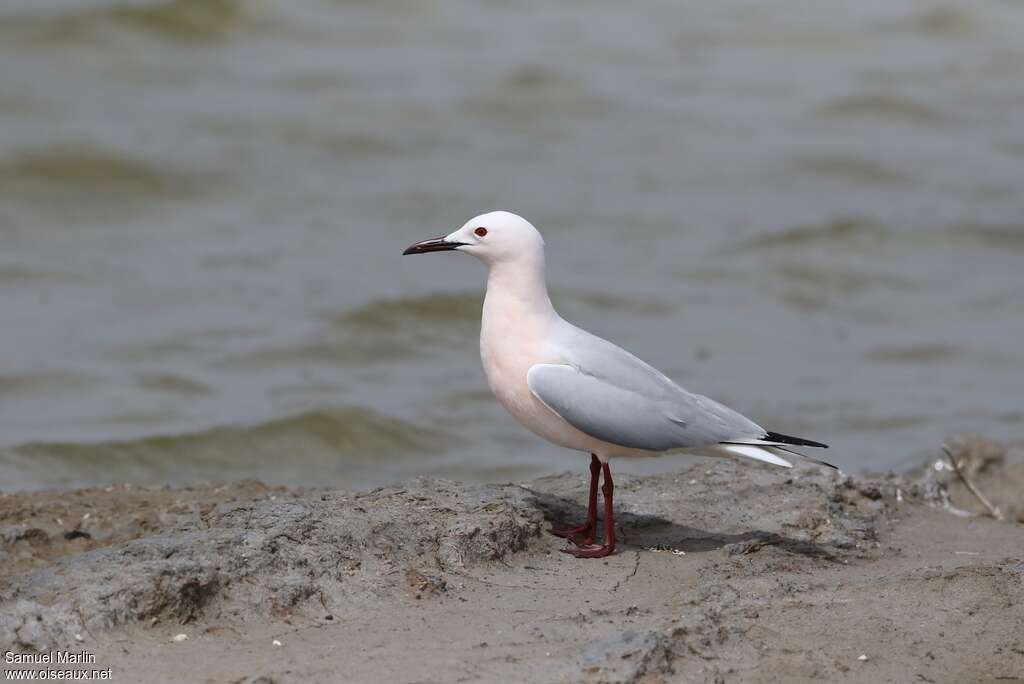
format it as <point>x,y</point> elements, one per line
<point>22,275</point>
<point>383,330</point>
<point>177,20</point>
<point>90,170</point>
<point>942,22</point>
<point>852,169</point>
<point>892,107</point>
<point>532,94</point>
<point>316,446</point>
<point>839,280</point>
<point>385,315</point>
<point>989,235</point>
<point>842,231</point>
<point>45,382</point>
<point>608,302</point>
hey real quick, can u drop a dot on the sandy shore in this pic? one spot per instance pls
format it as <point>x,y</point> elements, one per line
<point>727,573</point>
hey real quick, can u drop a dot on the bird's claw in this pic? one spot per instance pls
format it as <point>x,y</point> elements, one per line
<point>571,533</point>
<point>591,550</point>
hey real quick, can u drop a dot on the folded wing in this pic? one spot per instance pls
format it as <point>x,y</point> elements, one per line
<point>667,417</point>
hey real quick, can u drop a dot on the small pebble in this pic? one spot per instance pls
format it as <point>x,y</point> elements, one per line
<point>863,657</point>
<point>178,638</point>
<point>276,642</point>
<point>79,637</point>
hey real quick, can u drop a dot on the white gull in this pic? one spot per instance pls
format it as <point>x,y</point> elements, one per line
<point>580,391</point>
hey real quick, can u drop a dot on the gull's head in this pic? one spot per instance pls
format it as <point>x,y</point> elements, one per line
<point>493,238</point>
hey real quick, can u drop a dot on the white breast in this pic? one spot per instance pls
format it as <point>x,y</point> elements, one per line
<point>511,341</point>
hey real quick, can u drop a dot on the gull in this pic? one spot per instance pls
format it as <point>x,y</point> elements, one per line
<point>580,391</point>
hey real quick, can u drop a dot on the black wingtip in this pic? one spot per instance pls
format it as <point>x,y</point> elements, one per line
<point>807,458</point>
<point>796,441</point>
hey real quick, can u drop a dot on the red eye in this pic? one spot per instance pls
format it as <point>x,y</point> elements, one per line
<point>481,231</point>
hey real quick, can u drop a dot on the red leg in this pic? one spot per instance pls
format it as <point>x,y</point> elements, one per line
<point>608,548</point>
<point>588,528</point>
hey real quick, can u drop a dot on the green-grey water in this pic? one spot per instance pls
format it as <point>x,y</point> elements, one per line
<point>811,211</point>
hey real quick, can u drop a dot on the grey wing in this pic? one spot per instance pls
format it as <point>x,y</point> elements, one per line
<point>627,416</point>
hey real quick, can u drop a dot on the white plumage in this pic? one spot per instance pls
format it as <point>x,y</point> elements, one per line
<point>578,390</point>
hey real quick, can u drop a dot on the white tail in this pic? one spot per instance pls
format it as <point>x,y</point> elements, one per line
<point>755,452</point>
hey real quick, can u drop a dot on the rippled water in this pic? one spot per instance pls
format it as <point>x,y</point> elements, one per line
<point>813,212</point>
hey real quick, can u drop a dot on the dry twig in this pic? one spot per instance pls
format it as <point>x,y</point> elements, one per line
<point>958,469</point>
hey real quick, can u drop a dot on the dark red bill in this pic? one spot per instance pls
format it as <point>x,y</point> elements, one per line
<point>438,244</point>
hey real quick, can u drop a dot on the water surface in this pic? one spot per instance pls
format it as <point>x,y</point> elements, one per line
<point>811,212</point>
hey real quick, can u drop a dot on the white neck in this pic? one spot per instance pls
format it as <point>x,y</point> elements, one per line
<point>516,290</point>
